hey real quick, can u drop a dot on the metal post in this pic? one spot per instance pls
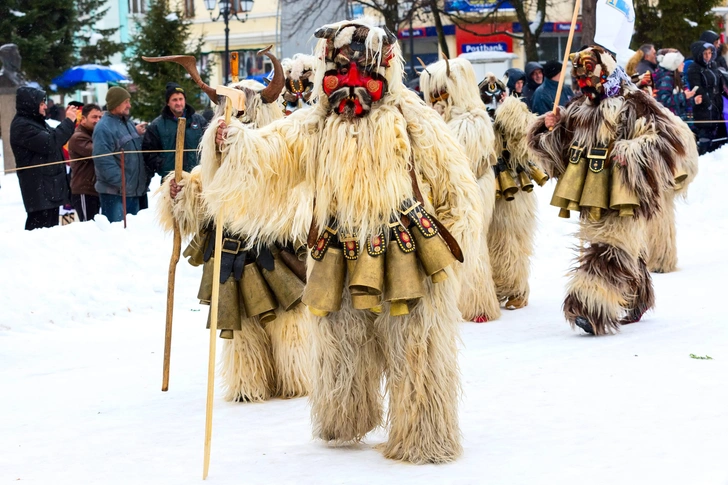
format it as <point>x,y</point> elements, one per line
<point>412,49</point>
<point>226,18</point>
<point>123,187</point>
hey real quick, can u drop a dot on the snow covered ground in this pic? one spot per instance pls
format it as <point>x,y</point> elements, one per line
<point>81,339</point>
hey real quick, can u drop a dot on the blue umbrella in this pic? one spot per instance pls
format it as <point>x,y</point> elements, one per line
<point>87,73</point>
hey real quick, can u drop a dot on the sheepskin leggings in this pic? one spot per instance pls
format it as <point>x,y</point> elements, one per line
<point>478,300</point>
<point>661,237</point>
<point>346,395</point>
<point>510,241</point>
<point>423,381</point>
<point>416,353</point>
<point>610,285</point>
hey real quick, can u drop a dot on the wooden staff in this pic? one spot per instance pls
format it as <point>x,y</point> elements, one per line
<point>213,320</point>
<point>123,188</point>
<point>564,65</point>
<point>176,246</point>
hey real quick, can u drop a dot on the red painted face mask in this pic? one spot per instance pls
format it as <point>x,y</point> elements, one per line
<point>355,84</point>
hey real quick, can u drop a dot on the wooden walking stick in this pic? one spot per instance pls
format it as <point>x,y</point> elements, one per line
<point>565,64</point>
<point>176,246</point>
<point>233,97</point>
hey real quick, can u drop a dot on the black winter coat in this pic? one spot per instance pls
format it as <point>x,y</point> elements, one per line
<point>710,84</point>
<point>161,134</point>
<point>35,143</point>
<point>530,86</point>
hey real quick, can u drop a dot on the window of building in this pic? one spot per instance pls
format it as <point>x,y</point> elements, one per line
<point>137,6</point>
<point>189,8</point>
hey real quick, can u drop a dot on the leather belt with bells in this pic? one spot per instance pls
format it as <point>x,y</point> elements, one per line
<point>232,256</point>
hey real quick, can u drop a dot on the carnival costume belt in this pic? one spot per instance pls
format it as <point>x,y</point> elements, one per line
<point>592,182</point>
<point>253,282</point>
<point>390,267</point>
<point>505,178</point>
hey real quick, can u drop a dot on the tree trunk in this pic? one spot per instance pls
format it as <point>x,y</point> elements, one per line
<point>588,21</point>
<point>438,26</point>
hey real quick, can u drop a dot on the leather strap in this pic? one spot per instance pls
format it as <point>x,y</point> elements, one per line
<point>449,239</point>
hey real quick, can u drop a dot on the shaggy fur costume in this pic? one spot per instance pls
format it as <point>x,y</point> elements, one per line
<point>465,114</point>
<point>661,231</point>
<point>260,361</point>
<point>610,285</point>
<point>358,168</point>
<point>511,233</point>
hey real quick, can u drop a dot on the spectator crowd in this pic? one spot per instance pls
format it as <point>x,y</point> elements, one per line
<point>692,85</point>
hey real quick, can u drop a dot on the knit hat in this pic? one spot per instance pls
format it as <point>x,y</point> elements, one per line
<point>115,96</point>
<point>551,69</point>
<point>173,88</point>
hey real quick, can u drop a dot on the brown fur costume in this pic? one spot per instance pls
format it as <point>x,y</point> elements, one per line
<point>261,360</point>
<point>611,285</point>
<point>358,166</point>
<point>465,114</point>
<point>661,231</point>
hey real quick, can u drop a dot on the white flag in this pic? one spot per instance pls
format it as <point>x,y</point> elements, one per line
<point>615,24</point>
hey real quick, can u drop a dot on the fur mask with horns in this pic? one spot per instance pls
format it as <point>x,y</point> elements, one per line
<point>450,83</point>
<point>358,65</point>
<point>492,92</point>
<point>597,73</point>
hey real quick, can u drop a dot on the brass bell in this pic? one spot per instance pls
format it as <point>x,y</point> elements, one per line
<point>286,286</point>
<point>204,294</point>
<point>538,175</point>
<point>680,175</point>
<point>366,280</point>
<point>595,195</point>
<point>508,185</point>
<point>325,286</point>
<point>525,181</point>
<point>621,198</point>
<point>194,252</point>
<point>257,297</point>
<point>573,206</point>
<point>434,254</point>
<point>498,192</point>
<point>403,279</point>
<point>570,185</point>
<point>228,307</point>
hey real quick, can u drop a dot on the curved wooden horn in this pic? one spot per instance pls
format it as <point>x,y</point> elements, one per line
<point>273,90</point>
<point>190,65</point>
<point>447,64</point>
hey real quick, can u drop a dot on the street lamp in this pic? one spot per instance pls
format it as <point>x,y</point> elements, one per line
<point>226,13</point>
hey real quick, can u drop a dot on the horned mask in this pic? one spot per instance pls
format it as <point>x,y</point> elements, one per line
<point>356,66</point>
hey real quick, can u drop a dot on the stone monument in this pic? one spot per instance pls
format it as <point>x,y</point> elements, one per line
<point>10,80</point>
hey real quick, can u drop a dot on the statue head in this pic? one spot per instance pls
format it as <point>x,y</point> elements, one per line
<point>10,74</point>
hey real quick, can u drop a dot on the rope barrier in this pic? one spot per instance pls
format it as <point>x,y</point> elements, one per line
<point>17,169</point>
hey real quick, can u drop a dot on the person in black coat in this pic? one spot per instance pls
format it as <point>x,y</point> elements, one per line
<point>704,74</point>
<point>712,38</point>
<point>33,142</point>
<point>534,78</point>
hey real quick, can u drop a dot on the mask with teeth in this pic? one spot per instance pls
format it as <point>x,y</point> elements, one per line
<point>356,58</point>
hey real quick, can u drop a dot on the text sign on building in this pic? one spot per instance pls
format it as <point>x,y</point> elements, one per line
<point>452,6</point>
<point>485,47</point>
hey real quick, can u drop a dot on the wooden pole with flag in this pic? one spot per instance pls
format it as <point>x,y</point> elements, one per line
<point>179,154</point>
<point>565,64</point>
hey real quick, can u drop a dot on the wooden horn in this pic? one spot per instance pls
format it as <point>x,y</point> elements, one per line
<point>190,65</point>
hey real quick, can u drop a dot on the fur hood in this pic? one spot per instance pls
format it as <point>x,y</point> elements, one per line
<point>670,61</point>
